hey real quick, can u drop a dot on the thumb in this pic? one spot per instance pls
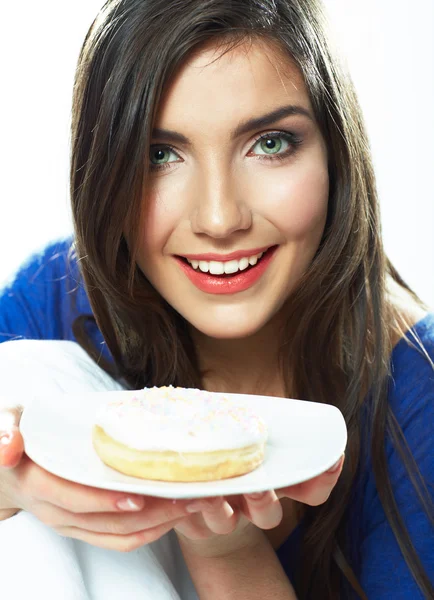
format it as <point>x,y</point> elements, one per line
<point>11,440</point>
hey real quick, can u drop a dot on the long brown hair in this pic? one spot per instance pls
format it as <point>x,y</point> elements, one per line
<point>340,322</point>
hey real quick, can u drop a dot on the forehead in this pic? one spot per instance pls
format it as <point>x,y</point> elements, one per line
<point>221,86</point>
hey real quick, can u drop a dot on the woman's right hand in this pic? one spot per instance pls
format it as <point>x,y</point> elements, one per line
<point>11,451</point>
<point>108,519</point>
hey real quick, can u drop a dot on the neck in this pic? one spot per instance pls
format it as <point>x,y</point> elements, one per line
<point>244,366</point>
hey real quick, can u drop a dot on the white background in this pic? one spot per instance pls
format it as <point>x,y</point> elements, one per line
<point>390,51</point>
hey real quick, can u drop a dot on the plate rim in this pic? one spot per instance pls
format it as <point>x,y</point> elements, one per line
<point>174,490</point>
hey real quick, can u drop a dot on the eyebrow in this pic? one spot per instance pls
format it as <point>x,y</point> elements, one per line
<point>167,135</point>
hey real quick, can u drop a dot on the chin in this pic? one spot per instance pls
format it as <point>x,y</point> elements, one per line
<point>225,329</point>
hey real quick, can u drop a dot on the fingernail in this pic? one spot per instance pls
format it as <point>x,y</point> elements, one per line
<point>130,504</point>
<point>5,438</point>
<point>336,466</point>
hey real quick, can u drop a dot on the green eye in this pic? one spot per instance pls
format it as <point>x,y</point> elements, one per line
<point>271,145</point>
<point>161,156</point>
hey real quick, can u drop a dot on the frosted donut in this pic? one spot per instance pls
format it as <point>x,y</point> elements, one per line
<point>179,434</point>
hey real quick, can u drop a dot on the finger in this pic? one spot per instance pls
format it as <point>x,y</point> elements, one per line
<point>7,513</point>
<point>315,491</point>
<point>11,440</point>
<point>10,416</point>
<point>121,543</point>
<point>217,514</point>
<point>263,509</point>
<point>35,484</point>
<point>193,527</point>
<point>157,511</point>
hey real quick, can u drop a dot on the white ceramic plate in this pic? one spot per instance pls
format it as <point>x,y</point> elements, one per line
<point>305,439</point>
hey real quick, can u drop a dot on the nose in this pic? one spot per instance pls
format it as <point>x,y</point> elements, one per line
<point>219,210</point>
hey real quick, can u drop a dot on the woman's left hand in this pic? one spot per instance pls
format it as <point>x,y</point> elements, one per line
<point>226,525</point>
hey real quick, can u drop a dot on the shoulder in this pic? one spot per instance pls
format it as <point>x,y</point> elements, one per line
<point>411,385</point>
<point>411,399</point>
<point>52,259</point>
<point>44,273</point>
<point>37,301</point>
<point>411,390</point>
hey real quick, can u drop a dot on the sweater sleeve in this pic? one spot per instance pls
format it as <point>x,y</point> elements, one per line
<point>384,571</point>
<point>37,302</point>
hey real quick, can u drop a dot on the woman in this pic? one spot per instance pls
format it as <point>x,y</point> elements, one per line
<point>227,233</point>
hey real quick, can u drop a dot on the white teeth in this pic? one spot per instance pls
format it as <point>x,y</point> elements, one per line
<point>243,264</point>
<point>204,266</point>
<point>230,267</point>
<point>216,268</point>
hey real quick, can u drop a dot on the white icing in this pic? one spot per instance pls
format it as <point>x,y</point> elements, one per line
<point>182,420</point>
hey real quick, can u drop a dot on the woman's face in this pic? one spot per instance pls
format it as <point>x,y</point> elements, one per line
<point>239,169</point>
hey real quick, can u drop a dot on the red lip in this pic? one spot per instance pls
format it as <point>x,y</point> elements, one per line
<point>227,284</point>
<point>226,257</point>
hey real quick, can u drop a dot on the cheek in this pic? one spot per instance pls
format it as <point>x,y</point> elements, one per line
<point>296,199</point>
<point>160,217</point>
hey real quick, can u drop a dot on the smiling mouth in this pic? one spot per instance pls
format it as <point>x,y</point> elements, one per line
<point>226,269</point>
